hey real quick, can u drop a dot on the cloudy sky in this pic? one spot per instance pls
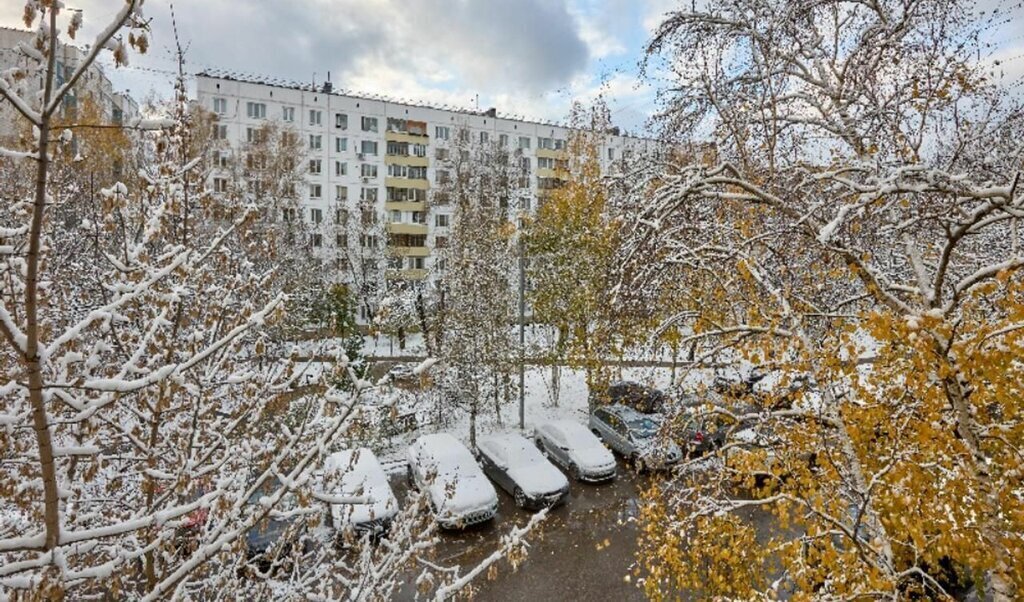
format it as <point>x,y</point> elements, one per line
<point>527,57</point>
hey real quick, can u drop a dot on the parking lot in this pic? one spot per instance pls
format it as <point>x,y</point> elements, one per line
<point>583,550</point>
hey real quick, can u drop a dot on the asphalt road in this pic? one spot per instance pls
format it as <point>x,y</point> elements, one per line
<point>584,549</point>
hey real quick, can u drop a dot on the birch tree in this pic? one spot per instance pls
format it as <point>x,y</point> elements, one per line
<point>857,234</point>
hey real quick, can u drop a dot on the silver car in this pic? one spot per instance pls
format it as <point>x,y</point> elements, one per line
<point>571,445</point>
<point>635,436</point>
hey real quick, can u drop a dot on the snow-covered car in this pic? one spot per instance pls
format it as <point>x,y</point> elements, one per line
<point>637,396</point>
<point>635,436</point>
<point>520,469</point>
<point>460,494</point>
<point>576,449</point>
<point>358,473</point>
<point>402,372</point>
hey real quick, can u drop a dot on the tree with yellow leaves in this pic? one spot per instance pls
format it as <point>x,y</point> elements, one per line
<point>857,241</point>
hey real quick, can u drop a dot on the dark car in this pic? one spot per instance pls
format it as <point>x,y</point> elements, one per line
<point>261,538</point>
<point>643,399</point>
<point>695,426</point>
<point>635,436</point>
<point>519,468</point>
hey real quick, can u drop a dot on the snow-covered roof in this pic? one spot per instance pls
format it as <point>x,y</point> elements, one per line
<point>512,449</point>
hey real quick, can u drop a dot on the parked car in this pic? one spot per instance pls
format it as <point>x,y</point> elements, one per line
<point>695,427</point>
<point>261,538</point>
<point>576,449</point>
<point>402,372</point>
<point>635,436</point>
<point>641,398</point>
<point>357,472</point>
<point>520,469</point>
<point>460,494</point>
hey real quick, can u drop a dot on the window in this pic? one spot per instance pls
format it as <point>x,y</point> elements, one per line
<point>220,159</point>
<point>440,242</point>
<point>395,217</point>
<point>395,263</point>
<point>503,139</point>
<point>288,114</point>
<point>317,240</point>
<point>368,194</point>
<point>253,135</point>
<point>442,264</point>
<point>315,117</point>
<point>341,121</point>
<point>417,173</point>
<point>441,220</point>
<point>220,185</point>
<point>464,135</point>
<point>418,217</point>
<point>368,241</point>
<point>415,263</point>
<point>611,154</point>
<point>524,142</point>
<point>419,150</point>
<point>368,171</point>
<point>442,132</point>
<point>288,214</point>
<point>315,142</point>
<point>368,147</point>
<point>340,144</point>
<point>255,110</point>
<point>316,215</point>
<point>544,143</point>
<point>397,171</point>
<point>369,124</point>
<point>340,168</point>
<point>559,144</point>
<point>315,166</point>
<point>545,163</point>
<point>524,162</point>
<point>441,176</point>
<point>220,105</point>
<point>441,154</point>
<point>484,138</point>
<point>315,191</point>
<point>341,193</point>
<point>220,131</point>
<point>340,241</point>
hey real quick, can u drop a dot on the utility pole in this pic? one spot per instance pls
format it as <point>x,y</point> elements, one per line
<point>522,323</point>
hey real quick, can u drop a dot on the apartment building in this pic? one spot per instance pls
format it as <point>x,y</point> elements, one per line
<point>115,107</point>
<point>387,155</point>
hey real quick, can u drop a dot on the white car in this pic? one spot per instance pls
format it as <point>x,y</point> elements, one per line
<point>515,464</point>
<point>575,448</point>
<point>460,494</point>
<point>357,472</point>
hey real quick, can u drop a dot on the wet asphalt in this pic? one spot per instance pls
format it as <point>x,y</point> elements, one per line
<point>584,549</point>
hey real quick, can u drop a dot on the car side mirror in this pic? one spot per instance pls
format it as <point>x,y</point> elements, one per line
<point>563,447</point>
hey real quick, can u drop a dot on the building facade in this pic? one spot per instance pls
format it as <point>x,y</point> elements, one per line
<point>389,156</point>
<point>114,107</point>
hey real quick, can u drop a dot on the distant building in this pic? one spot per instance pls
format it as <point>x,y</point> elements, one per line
<point>115,107</point>
<point>385,154</point>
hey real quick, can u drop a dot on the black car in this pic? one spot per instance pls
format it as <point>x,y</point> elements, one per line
<point>519,468</point>
<point>643,399</point>
<point>261,538</point>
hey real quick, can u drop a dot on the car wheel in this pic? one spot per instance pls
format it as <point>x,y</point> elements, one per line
<point>520,497</point>
<point>540,446</point>
<point>574,470</point>
<point>597,434</point>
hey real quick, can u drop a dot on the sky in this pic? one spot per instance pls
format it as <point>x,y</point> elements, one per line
<point>530,58</point>
<point>524,57</point>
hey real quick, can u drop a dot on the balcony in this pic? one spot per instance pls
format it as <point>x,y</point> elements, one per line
<point>395,228</point>
<point>555,173</point>
<point>408,160</point>
<point>406,274</point>
<point>547,153</point>
<point>409,251</point>
<point>393,182</point>
<point>405,206</point>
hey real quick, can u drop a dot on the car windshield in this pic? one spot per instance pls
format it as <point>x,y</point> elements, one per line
<point>644,428</point>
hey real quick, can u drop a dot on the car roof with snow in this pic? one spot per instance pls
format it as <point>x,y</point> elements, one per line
<point>567,429</point>
<point>442,449</point>
<point>513,448</point>
<point>358,468</point>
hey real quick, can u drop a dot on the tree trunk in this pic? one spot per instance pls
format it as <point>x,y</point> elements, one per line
<point>33,363</point>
